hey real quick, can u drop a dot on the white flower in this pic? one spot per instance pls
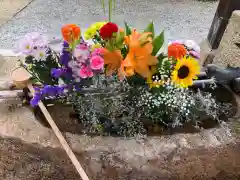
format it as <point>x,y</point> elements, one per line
<point>175,41</point>
<point>30,43</point>
<point>40,54</point>
<point>192,45</point>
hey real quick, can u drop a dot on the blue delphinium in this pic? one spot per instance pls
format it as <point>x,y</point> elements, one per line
<point>47,92</point>
<point>57,72</point>
<point>65,55</point>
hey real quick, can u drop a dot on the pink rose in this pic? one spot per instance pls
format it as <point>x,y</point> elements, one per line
<point>85,72</point>
<point>97,62</point>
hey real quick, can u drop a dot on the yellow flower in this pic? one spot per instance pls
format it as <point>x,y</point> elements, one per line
<point>186,69</point>
<point>92,30</point>
<point>154,80</point>
<point>95,46</point>
<point>88,34</point>
<point>98,25</point>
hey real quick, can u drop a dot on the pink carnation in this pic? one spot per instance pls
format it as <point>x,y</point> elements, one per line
<point>97,52</point>
<point>85,72</point>
<point>97,62</point>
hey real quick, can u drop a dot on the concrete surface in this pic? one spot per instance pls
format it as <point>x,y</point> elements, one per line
<point>179,18</point>
<point>228,52</point>
<point>9,8</point>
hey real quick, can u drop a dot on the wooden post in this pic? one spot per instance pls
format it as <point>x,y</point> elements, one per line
<point>220,21</point>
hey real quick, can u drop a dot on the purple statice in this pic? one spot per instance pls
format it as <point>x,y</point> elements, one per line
<point>47,92</point>
<point>65,55</point>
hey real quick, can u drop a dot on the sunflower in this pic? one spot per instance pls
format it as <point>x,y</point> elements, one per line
<point>186,69</point>
<point>154,80</point>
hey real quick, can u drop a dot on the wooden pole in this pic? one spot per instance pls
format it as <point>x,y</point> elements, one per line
<point>220,21</point>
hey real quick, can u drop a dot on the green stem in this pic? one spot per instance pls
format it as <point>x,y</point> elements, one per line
<point>33,75</point>
<point>109,10</point>
<point>103,5</point>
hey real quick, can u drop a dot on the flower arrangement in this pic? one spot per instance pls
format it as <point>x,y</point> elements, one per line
<point>120,79</point>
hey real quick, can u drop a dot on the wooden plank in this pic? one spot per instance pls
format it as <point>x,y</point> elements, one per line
<point>220,21</point>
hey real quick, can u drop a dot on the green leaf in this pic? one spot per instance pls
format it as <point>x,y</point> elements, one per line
<point>158,43</point>
<point>127,29</point>
<point>150,28</point>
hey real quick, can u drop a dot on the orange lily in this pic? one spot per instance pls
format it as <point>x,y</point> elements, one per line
<point>139,57</point>
<point>112,59</point>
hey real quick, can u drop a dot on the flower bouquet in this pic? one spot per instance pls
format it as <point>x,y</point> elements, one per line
<point>119,83</point>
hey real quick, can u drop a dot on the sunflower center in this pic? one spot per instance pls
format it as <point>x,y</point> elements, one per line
<point>183,72</point>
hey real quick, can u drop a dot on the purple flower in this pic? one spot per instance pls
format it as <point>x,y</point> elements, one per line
<point>36,98</point>
<point>57,72</point>
<point>65,56</point>
<point>47,91</point>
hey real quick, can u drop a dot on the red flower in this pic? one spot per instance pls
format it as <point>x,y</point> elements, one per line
<point>107,30</point>
<point>71,32</point>
<point>176,50</point>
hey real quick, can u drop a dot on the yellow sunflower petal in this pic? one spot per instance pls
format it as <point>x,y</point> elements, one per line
<point>178,74</point>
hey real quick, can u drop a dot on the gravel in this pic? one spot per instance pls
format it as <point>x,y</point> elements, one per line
<point>180,19</point>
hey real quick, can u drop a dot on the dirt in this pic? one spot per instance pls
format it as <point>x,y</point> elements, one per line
<point>22,161</point>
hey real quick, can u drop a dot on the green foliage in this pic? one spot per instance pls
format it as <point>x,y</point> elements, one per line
<point>41,70</point>
<point>136,80</point>
<point>128,30</point>
<point>158,43</point>
<point>150,28</point>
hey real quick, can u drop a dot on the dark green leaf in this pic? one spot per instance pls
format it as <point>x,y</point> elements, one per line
<point>158,43</point>
<point>127,29</point>
<point>136,80</point>
<point>150,28</point>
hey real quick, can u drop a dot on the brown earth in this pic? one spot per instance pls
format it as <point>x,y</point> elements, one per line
<point>22,161</point>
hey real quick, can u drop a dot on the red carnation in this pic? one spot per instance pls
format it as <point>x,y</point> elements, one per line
<point>107,30</point>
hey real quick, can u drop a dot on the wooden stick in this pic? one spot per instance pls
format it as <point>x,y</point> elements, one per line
<point>25,79</point>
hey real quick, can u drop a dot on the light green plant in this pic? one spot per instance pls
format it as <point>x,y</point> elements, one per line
<point>111,7</point>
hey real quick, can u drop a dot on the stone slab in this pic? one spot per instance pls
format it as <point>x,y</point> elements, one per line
<point>182,156</point>
<point>228,52</point>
